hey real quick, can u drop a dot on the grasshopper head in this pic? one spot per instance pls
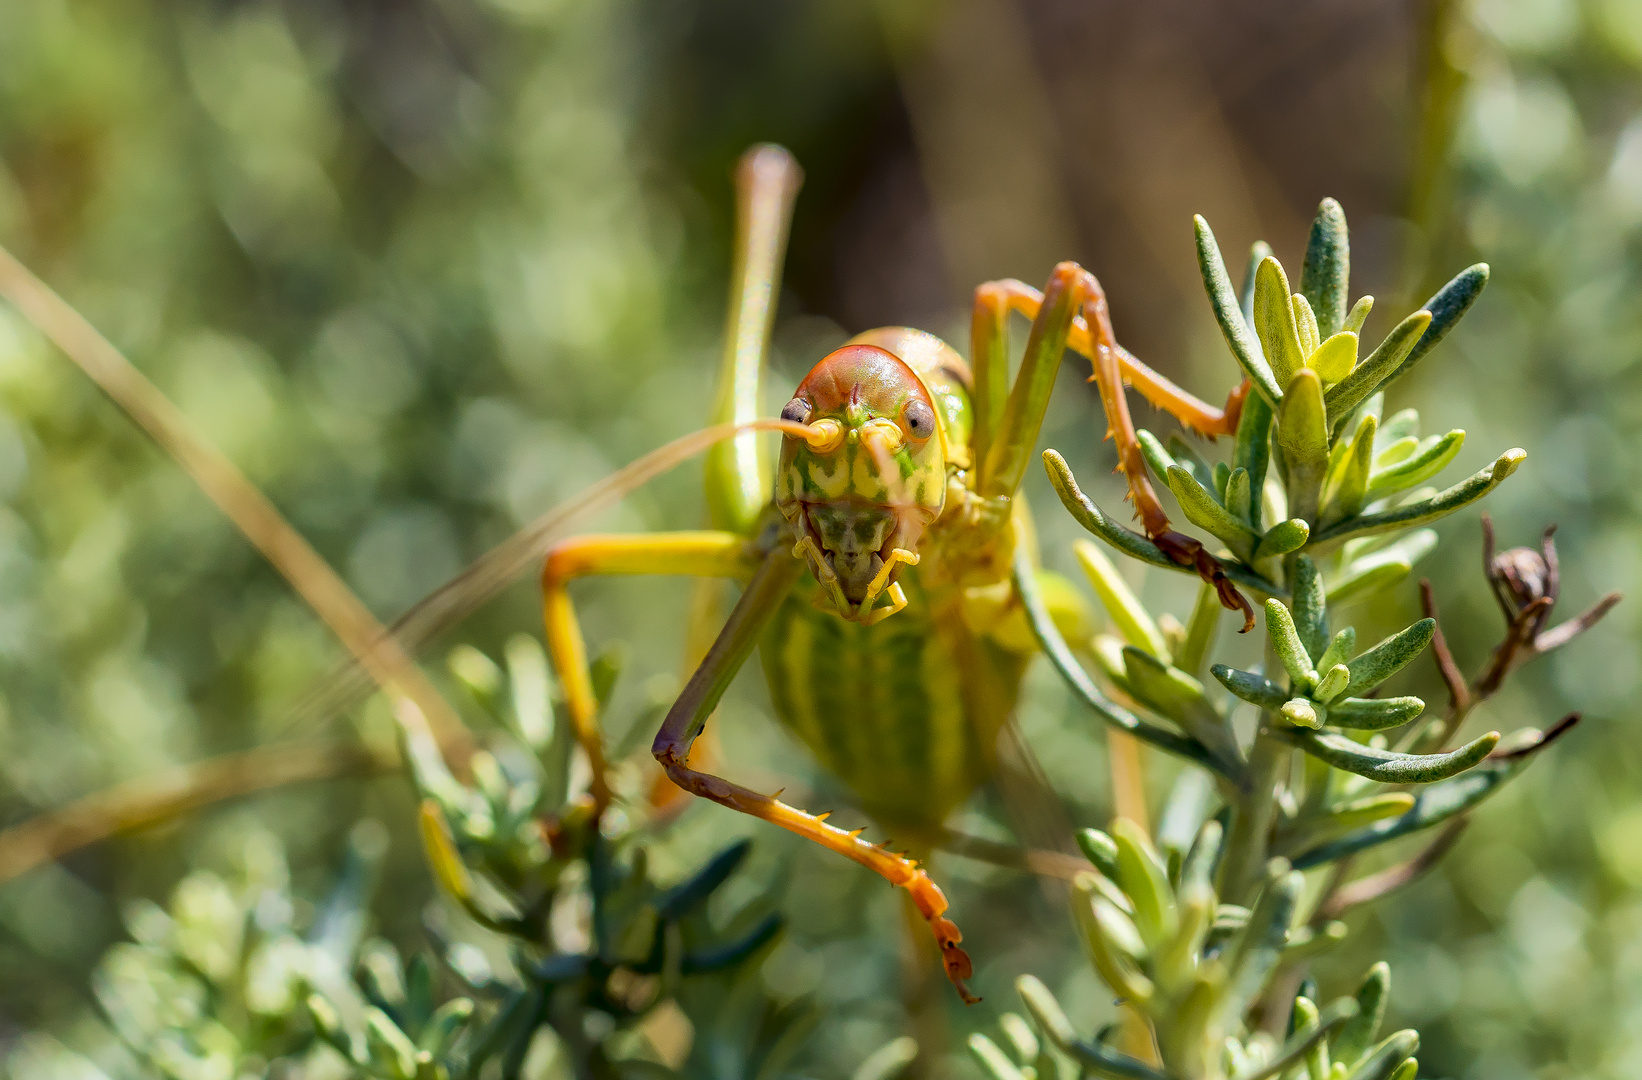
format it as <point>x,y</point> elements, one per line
<point>861,488</point>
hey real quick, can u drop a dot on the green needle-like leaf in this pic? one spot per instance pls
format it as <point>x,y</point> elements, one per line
<point>1098,920</point>
<point>1282,538</point>
<point>1204,511</point>
<point>1101,850</point>
<point>1440,505</point>
<point>1310,613</point>
<point>993,1061</point>
<point>1172,693</point>
<point>1437,803</point>
<point>1304,1040</point>
<point>1302,434</point>
<point>1424,461</point>
<point>1239,497</point>
<point>1305,323</point>
<point>1330,683</point>
<point>1400,425</point>
<point>1094,1059</point>
<point>1186,456</point>
<point>451,873</point>
<point>1252,451</point>
<point>1128,615</point>
<point>1219,478</point>
<point>1240,338</point>
<point>1259,251</point>
<point>445,1024</point>
<point>1358,315</point>
<point>1339,649</point>
<point>1394,451</point>
<point>1143,878</point>
<point>1252,688</point>
<point>1326,273</point>
<point>1379,368</point>
<point>1382,1062</point>
<point>1382,569</point>
<point>1157,458</point>
<point>1373,714</point>
<point>1358,813</point>
<point>1388,657</point>
<point>388,1045</point>
<point>1087,514</point>
<point>1447,306</point>
<point>1335,357</point>
<point>1285,641</point>
<point>1372,997</point>
<point>1388,766</point>
<point>1061,657</point>
<point>1343,495</point>
<point>1274,322</point>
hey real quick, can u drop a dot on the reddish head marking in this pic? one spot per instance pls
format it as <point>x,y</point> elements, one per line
<point>864,375</point>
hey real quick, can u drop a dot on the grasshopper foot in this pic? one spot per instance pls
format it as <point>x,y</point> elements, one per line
<point>954,959</point>
<point>1187,551</point>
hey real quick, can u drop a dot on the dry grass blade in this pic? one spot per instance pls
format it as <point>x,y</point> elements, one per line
<point>150,800</point>
<point>250,510</point>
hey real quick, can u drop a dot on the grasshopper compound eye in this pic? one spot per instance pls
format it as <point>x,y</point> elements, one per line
<point>797,410</point>
<point>920,420</point>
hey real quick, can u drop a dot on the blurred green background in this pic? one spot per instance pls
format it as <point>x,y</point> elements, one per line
<point>425,268</point>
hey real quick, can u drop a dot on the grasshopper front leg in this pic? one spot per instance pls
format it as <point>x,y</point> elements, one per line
<point>1072,312</point>
<point>766,591</point>
<point>704,554</point>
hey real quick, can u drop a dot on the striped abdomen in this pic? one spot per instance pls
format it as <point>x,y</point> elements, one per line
<point>905,712</point>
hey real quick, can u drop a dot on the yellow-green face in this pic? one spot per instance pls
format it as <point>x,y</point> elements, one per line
<point>874,475</point>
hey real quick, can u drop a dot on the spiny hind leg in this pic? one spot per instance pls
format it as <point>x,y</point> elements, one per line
<point>1072,312</point>
<point>687,718</point>
<point>706,554</point>
<point>1193,412</point>
<point>1184,550</point>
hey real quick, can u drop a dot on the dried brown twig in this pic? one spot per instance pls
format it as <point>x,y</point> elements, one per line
<point>1526,584</point>
<point>1392,878</point>
<point>150,800</point>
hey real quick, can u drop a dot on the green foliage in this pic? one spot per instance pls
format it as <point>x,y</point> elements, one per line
<point>1194,980</point>
<point>1203,944</point>
<point>411,318</point>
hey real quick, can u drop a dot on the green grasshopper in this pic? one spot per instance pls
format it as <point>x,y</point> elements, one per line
<point>878,581</point>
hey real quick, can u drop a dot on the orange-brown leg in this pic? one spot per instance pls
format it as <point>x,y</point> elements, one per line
<point>1071,312</point>
<point>764,594</point>
<point>1193,412</point>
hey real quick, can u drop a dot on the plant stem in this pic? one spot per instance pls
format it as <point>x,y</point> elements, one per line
<point>1247,839</point>
<point>1246,842</point>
